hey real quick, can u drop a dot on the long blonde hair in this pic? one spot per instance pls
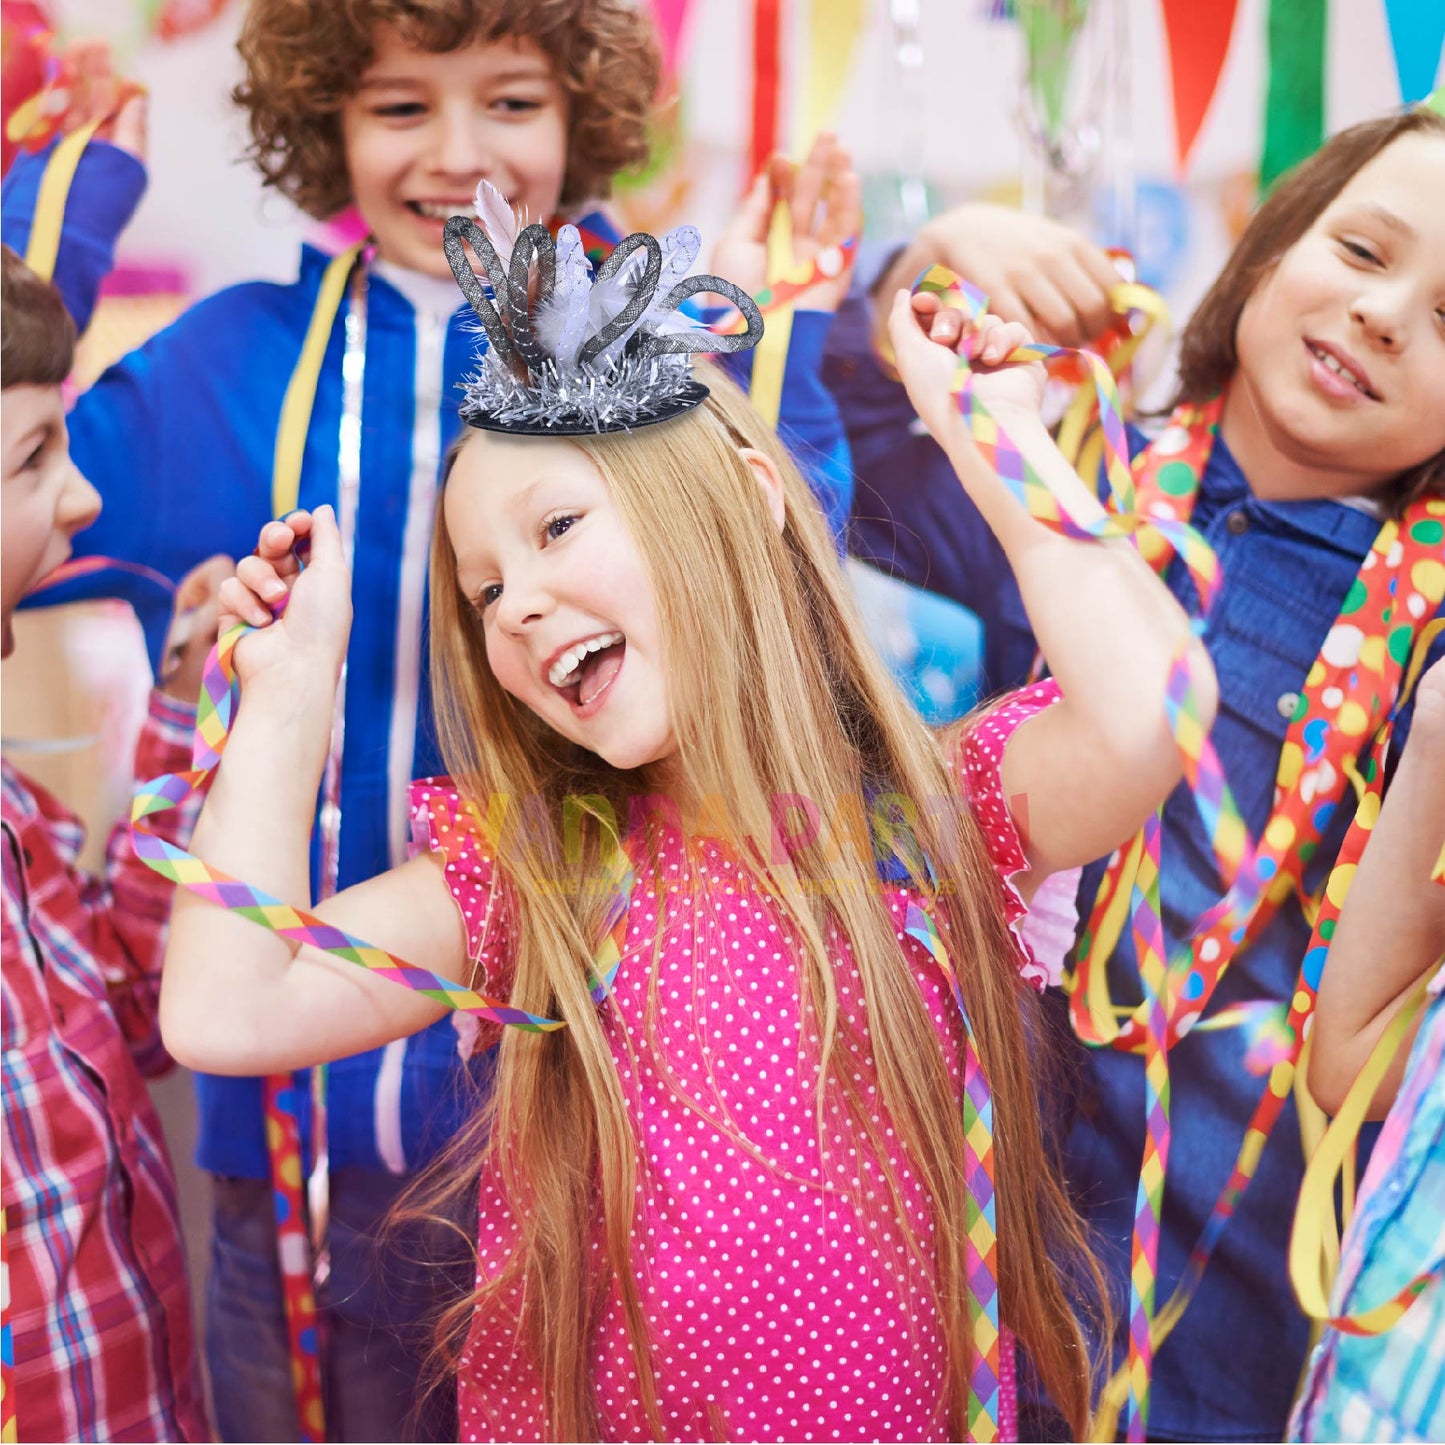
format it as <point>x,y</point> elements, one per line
<point>793,701</point>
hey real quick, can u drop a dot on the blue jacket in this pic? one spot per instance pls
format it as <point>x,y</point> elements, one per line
<point>1230,1369</point>
<point>178,437</point>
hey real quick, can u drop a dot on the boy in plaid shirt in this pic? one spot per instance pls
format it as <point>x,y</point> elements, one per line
<point>97,1307</point>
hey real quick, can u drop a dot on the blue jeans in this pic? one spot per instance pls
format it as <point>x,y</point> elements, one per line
<point>378,1311</point>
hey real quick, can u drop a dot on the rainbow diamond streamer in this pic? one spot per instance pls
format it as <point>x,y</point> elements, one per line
<point>1368,666</point>
<point>1228,835</point>
<point>981,1221</point>
<point>1144,1253</point>
<point>1402,580</point>
<point>217,706</point>
<point>1026,483</point>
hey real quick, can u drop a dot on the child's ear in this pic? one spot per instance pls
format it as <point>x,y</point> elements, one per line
<point>769,480</point>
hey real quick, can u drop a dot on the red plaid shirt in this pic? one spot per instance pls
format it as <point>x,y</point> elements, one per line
<point>98,1305</point>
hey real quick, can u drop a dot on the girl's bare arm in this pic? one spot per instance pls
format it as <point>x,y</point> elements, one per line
<point>1392,930</point>
<point>1092,768</point>
<point>235,997</point>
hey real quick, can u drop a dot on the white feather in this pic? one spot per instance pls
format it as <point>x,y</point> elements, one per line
<point>609,298</point>
<point>497,219</point>
<point>560,323</point>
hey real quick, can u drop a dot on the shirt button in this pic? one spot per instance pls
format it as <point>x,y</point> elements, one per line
<point>1288,702</point>
<point>1237,523</point>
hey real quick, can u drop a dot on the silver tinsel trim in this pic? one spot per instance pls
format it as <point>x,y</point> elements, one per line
<point>635,390</point>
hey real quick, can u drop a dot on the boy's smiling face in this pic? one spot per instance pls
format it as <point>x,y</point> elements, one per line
<point>1342,346</point>
<point>422,129</point>
<point>46,500</point>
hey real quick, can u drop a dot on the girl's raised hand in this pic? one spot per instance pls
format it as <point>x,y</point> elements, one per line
<point>928,339</point>
<point>302,613</point>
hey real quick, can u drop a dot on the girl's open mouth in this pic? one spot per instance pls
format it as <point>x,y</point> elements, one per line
<point>585,672</point>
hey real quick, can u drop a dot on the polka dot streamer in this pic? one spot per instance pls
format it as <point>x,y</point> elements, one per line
<point>1339,733</point>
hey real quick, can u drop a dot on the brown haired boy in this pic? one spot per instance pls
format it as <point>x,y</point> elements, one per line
<point>98,1299</point>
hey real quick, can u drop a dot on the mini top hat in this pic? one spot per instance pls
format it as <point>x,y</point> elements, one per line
<point>572,354</point>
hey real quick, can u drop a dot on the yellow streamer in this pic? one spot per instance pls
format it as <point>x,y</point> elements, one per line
<point>770,358</point>
<point>301,390</point>
<point>44,248</point>
<point>1314,1244</point>
<point>833,30</point>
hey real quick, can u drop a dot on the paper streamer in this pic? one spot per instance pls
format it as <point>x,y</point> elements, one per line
<point>1314,1244</point>
<point>293,1247</point>
<point>1361,676</point>
<point>981,1221</point>
<point>217,705</point>
<point>1149,1201</point>
<point>832,261</point>
<point>1228,837</point>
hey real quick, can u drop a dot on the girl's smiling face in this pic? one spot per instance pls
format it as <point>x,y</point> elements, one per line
<point>566,602</point>
<point>1342,345</point>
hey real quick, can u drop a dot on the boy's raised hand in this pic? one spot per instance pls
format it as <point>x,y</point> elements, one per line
<point>1033,269</point>
<point>93,91</point>
<point>302,613</point>
<point>928,338</point>
<point>824,200</point>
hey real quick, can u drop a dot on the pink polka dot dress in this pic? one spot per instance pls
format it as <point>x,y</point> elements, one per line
<point>782,1298</point>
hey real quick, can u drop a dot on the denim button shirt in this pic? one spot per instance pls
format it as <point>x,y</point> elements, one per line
<point>1230,1369</point>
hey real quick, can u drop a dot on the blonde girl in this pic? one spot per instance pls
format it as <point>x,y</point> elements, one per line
<point>729,1200</point>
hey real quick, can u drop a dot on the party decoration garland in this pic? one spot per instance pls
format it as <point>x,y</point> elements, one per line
<point>1198,41</point>
<point>1294,110</point>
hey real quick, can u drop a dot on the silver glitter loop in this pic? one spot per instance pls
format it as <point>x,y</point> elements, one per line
<point>692,341</point>
<point>535,244</point>
<point>641,297</point>
<point>463,228</point>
